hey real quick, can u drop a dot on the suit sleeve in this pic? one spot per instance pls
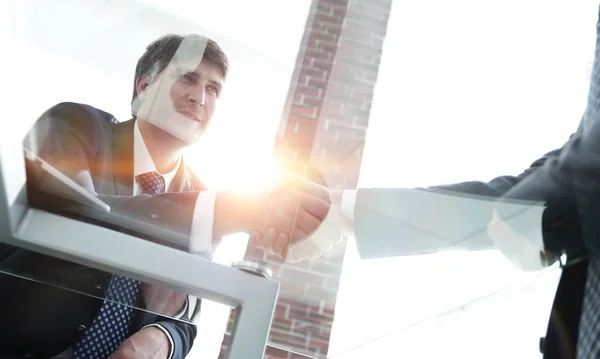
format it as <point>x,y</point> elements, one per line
<point>568,185</point>
<point>499,185</point>
<point>182,334</point>
<point>564,180</point>
<point>425,220</point>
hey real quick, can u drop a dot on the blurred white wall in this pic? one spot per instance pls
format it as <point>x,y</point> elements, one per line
<point>467,90</point>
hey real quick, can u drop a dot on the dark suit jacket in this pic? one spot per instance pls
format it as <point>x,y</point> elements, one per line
<point>561,230</point>
<point>91,147</point>
<point>562,234</point>
<point>561,226</point>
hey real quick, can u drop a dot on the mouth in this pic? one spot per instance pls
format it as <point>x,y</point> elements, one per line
<point>191,115</point>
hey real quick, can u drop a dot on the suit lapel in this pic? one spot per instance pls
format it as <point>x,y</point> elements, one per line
<point>122,161</point>
<point>185,180</point>
<point>122,150</point>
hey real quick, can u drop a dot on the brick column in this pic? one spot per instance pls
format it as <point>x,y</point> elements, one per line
<point>323,126</point>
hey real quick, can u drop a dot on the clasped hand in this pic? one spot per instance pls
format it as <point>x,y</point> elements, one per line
<point>293,211</point>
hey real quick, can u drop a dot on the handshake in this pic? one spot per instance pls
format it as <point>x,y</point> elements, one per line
<point>279,219</point>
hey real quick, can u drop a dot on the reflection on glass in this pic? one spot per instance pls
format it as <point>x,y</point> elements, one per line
<point>128,176</point>
<point>87,161</point>
<point>59,308</point>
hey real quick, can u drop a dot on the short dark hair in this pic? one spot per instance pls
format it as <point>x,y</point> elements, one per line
<point>161,51</point>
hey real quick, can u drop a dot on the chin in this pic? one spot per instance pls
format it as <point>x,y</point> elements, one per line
<point>184,129</point>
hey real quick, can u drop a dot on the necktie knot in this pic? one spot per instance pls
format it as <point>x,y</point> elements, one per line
<point>152,183</point>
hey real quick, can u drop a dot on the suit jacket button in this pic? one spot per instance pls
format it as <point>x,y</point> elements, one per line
<point>81,328</point>
<point>542,342</point>
<point>98,286</point>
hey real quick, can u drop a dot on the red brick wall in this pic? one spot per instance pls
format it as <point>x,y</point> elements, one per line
<point>324,125</point>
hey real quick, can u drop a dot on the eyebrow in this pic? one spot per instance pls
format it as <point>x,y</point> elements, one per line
<point>218,84</point>
<point>196,75</point>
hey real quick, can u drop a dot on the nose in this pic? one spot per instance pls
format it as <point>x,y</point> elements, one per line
<point>197,97</point>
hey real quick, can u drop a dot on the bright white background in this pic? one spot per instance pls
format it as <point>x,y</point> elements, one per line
<point>468,89</point>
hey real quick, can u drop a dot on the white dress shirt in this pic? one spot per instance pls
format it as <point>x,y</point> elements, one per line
<point>202,220</point>
<point>411,228</point>
<point>203,217</point>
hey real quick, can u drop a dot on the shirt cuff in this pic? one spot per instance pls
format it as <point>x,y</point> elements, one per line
<point>202,224</point>
<point>347,212</point>
<point>171,343</point>
<point>328,234</point>
<point>520,238</point>
<point>184,309</point>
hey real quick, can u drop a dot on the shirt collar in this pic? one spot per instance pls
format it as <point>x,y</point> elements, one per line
<point>142,161</point>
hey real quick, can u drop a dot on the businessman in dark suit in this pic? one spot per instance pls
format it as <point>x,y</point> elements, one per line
<point>137,168</point>
<point>568,184</point>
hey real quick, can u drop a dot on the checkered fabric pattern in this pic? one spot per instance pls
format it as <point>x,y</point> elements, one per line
<point>151,183</point>
<point>111,326</point>
<point>588,342</point>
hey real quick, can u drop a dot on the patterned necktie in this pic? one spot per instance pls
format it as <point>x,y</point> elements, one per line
<point>111,326</point>
<point>588,342</point>
<point>151,183</point>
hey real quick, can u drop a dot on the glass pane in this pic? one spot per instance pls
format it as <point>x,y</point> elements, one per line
<point>42,290</point>
<point>306,80</point>
<point>486,324</point>
<point>89,73</point>
<point>454,86</point>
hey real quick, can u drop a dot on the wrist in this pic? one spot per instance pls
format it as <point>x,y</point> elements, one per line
<point>237,211</point>
<point>162,340</point>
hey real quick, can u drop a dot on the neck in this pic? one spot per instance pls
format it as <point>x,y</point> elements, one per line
<point>164,149</point>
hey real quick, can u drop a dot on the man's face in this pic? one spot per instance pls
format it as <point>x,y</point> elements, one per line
<point>182,99</point>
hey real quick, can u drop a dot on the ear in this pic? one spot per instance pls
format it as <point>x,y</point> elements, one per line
<point>140,85</point>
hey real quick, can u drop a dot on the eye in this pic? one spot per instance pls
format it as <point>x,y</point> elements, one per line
<point>188,78</point>
<point>214,89</point>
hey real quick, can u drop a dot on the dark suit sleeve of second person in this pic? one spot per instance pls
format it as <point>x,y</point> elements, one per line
<point>568,184</point>
<point>425,220</point>
<point>499,185</point>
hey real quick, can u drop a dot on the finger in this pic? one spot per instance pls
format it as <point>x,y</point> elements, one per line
<point>315,205</point>
<point>304,225</point>
<point>255,235</point>
<point>292,220</point>
<point>268,241</point>
<point>290,200</point>
<point>281,245</point>
<point>301,183</point>
<point>312,188</point>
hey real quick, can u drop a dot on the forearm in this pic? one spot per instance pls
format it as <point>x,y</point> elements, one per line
<point>390,222</point>
<point>238,212</point>
<point>561,222</point>
<point>165,219</point>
